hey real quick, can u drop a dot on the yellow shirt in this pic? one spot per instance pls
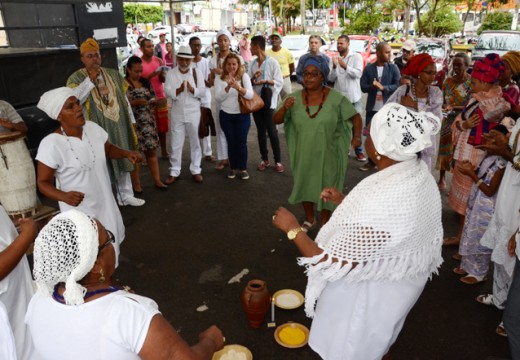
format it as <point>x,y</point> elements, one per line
<point>284,58</point>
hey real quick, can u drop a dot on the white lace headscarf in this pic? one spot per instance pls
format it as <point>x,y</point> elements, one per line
<point>65,251</point>
<point>52,101</point>
<point>400,133</point>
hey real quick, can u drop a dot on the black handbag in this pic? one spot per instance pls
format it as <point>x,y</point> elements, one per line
<point>266,94</point>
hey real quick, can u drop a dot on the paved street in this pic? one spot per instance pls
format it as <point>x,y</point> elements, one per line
<point>184,245</point>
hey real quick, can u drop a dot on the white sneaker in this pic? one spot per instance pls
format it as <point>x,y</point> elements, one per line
<point>132,201</point>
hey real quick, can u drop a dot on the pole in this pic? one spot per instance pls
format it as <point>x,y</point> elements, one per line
<point>302,15</point>
<point>172,24</point>
<point>407,18</point>
<point>514,23</point>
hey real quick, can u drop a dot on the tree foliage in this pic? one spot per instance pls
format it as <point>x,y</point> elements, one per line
<point>496,21</point>
<point>443,21</point>
<point>365,17</point>
<point>143,13</point>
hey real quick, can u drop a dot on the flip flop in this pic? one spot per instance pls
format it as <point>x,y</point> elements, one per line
<point>472,279</point>
<point>451,241</point>
<point>307,226</point>
<point>457,257</point>
<point>460,271</point>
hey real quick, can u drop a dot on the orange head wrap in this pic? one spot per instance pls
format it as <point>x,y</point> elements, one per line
<point>88,45</point>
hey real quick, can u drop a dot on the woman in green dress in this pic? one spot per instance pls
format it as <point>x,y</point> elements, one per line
<point>318,127</point>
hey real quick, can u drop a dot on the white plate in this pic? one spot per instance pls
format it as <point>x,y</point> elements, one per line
<point>288,299</point>
<point>238,348</point>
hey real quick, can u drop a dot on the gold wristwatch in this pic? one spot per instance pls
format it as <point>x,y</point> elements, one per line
<point>291,234</point>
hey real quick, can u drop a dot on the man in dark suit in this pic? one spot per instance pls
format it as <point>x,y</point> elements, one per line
<point>379,80</point>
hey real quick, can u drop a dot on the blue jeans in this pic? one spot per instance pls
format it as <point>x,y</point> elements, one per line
<point>358,105</point>
<point>236,127</point>
<point>512,313</point>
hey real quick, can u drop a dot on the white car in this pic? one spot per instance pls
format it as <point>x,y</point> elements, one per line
<point>298,45</point>
<point>154,34</point>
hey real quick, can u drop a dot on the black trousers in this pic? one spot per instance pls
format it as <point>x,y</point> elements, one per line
<point>264,124</point>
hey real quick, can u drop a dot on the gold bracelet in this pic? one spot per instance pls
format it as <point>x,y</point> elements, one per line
<point>480,182</point>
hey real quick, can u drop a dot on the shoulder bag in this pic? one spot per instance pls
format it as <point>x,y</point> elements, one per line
<point>248,106</point>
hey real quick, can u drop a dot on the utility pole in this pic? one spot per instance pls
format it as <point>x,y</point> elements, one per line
<point>407,18</point>
<point>302,15</point>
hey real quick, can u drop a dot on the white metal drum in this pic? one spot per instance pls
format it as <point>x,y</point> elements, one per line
<point>17,176</point>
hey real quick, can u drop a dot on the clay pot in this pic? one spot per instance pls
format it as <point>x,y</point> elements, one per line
<point>255,300</point>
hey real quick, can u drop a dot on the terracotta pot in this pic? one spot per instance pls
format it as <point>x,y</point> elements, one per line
<point>255,300</point>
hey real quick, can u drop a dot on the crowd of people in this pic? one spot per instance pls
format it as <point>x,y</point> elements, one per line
<point>412,128</point>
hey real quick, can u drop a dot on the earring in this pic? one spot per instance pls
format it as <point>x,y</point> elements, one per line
<point>378,157</point>
<point>102,276</point>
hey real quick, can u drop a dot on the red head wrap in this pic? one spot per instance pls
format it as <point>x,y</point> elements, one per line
<point>488,69</point>
<point>417,64</point>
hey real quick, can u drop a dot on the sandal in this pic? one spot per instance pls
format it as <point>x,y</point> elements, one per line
<point>485,299</point>
<point>451,241</point>
<point>460,271</point>
<point>221,165</point>
<point>307,226</point>
<point>501,330</point>
<point>457,257</point>
<point>473,279</point>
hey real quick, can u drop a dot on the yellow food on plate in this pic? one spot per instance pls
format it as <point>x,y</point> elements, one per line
<point>292,335</point>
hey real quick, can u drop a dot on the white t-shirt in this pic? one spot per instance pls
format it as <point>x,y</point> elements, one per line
<point>111,327</point>
<point>203,66</point>
<point>272,71</point>
<point>16,290</point>
<point>379,96</point>
<point>81,165</point>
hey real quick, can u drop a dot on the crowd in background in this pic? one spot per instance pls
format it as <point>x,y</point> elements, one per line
<point>466,125</point>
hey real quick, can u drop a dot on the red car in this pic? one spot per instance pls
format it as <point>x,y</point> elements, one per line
<point>362,44</point>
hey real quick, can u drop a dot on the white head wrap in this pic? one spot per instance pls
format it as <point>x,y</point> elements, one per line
<point>52,101</point>
<point>224,32</point>
<point>400,133</point>
<point>65,251</point>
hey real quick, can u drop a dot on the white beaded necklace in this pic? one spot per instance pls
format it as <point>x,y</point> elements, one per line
<point>83,166</point>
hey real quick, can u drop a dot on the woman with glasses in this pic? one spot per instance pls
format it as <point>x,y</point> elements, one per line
<point>421,95</point>
<point>318,125</point>
<point>75,156</point>
<point>77,313</point>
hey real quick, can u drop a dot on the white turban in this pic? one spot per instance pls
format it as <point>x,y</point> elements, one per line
<point>400,133</point>
<point>65,251</point>
<point>224,32</point>
<point>52,101</point>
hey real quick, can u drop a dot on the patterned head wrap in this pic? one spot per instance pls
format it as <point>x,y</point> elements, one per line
<point>52,101</point>
<point>512,59</point>
<point>65,251</point>
<point>320,63</point>
<point>88,45</point>
<point>417,64</point>
<point>400,133</point>
<point>488,69</point>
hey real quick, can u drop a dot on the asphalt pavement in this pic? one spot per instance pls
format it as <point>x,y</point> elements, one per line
<point>184,245</point>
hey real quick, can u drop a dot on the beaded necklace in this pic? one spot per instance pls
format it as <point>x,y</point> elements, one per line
<point>59,298</point>
<point>83,166</point>
<point>414,94</point>
<point>307,104</point>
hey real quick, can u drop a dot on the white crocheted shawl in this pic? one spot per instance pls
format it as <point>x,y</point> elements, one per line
<point>389,226</point>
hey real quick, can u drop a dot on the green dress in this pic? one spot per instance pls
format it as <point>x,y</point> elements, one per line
<point>318,147</point>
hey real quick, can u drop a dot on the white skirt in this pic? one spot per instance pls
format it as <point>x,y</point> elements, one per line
<point>360,321</point>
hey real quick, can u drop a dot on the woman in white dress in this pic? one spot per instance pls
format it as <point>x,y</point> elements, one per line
<point>75,154</point>
<point>371,261</point>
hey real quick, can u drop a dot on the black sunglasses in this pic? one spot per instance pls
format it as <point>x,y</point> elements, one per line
<point>110,240</point>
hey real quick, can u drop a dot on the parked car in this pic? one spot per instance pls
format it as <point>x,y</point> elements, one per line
<point>362,44</point>
<point>440,50</point>
<point>154,34</point>
<point>298,45</point>
<point>496,41</point>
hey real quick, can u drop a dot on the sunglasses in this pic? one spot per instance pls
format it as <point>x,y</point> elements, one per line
<point>406,51</point>
<point>110,240</point>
